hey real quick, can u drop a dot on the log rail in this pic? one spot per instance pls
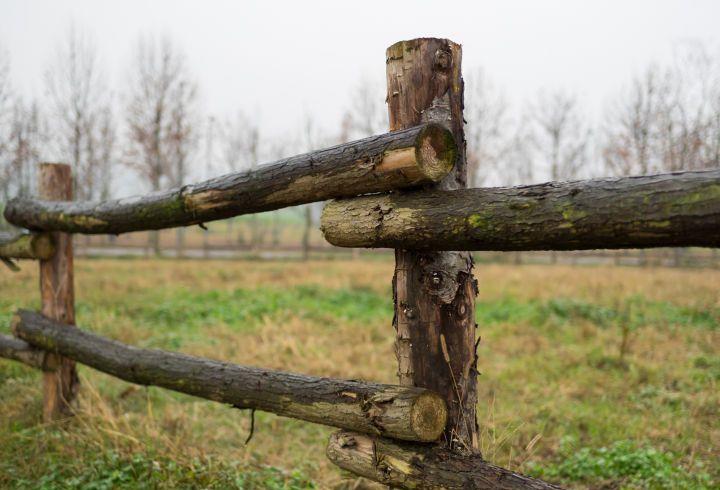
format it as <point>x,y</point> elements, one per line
<point>405,413</point>
<point>668,210</point>
<point>381,163</point>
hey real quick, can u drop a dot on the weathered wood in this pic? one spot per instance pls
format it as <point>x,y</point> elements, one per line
<point>668,210</point>
<point>380,163</point>
<point>26,246</point>
<point>434,292</point>
<point>416,466</point>
<point>57,294</point>
<point>21,351</point>
<point>393,411</point>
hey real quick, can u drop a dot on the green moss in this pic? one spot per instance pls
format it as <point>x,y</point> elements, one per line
<point>711,192</point>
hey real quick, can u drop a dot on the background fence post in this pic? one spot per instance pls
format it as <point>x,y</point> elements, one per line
<point>57,294</point>
<point>434,292</point>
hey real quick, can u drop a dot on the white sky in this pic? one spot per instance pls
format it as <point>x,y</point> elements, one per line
<point>282,59</point>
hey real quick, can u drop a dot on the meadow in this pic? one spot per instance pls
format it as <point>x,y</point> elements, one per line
<point>591,376</point>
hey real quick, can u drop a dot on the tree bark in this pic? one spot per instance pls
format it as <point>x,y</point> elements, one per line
<point>57,292</point>
<point>667,210</point>
<point>434,292</point>
<point>26,246</point>
<point>380,163</point>
<point>393,411</point>
<point>415,466</point>
<point>21,351</point>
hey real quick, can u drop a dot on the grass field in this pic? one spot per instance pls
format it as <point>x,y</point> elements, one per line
<point>592,377</point>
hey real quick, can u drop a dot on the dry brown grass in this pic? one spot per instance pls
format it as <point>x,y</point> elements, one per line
<point>540,382</point>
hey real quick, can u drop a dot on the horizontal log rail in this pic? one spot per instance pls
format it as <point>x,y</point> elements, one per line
<point>21,351</point>
<point>380,163</point>
<point>407,465</point>
<point>406,413</point>
<point>667,210</point>
<point>26,246</point>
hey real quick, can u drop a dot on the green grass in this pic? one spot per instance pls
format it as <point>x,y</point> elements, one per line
<point>623,463</point>
<point>559,398</point>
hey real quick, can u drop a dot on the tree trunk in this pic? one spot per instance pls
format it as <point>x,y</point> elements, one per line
<point>434,292</point>
<point>26,246</point>
<point>415,466</point>
<point>680,209</point>
<point>376,164</point>
<point>393,411</point>
<point>57,294</point>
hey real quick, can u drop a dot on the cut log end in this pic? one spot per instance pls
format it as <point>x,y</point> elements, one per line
<point>435,152</point>
<point>428,416</point>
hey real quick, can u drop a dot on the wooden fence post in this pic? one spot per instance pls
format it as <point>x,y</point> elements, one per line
<point>434,292</point>
<point>57,294</point>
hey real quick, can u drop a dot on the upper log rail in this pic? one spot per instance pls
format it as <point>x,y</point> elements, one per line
<point>399,412</point>
<point>666,210</point>
<point>395,160</point>
<point>25,245</point>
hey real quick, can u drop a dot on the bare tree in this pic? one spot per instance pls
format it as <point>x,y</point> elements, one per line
<point>367,114</point>
<point>241,151</point>
<point>488,129</point>
<point>311,139</point>
<point>5,123</point>
<point>77,93</point>
<point>562,137</point>
<point>23,148</point>
<point>631,127</point>
<point>159,103</point>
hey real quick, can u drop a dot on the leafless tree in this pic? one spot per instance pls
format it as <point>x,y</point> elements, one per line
<point>241,151</point>
<point>367,114</point>
<point>25,137</point>
<point>311,139</point>
<point>77,93</point>
<point>631,127</point>
<point>160,103</point>
<point>562,137</point>
<point>488,130</point>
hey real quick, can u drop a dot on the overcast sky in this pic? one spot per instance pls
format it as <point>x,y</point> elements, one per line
<point>280,60</point>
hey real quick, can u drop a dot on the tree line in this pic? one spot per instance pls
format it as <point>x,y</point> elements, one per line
<point>667,118</point>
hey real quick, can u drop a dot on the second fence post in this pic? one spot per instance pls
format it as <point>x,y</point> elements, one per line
<point>435,291</point>
<point>58,294</point>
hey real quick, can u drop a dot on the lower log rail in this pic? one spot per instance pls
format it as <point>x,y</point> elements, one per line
<point>668,210</point>
<point>406,413</point>
<point>26,246</point>
<point>416,466</point>
<point>21,351</point>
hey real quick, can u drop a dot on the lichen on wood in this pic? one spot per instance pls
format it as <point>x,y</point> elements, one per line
<point>26,246</point>
<point>396,160</point>
<point>406,413</point>
<point>666,210</point>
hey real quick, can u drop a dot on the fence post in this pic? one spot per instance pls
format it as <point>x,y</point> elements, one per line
<point>57,294</point>
<point>434,292</point>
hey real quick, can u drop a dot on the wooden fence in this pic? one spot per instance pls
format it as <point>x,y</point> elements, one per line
<point>403,189</point>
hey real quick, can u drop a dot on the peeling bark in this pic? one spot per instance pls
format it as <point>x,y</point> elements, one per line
<point>668,210</point>
<point>415,466</point>
<point>434,292</point>
<point>26,246</point>
<point>380,163</point>
<point>393,411</point>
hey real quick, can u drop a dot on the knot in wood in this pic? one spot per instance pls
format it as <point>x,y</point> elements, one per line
<point>443,59</point>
